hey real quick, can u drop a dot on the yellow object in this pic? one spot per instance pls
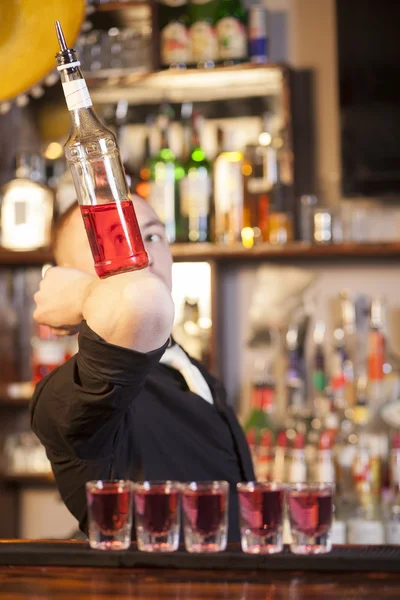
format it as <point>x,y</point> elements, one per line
<point>28,42</point>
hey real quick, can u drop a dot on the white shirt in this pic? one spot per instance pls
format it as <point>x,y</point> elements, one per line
<point>176,358</point>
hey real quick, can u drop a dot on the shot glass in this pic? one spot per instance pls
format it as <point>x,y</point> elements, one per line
<point>205,515</point>
<point>261,516</point>
<point>110,514</point>
<point>157,515</point>
<point>310,507</point>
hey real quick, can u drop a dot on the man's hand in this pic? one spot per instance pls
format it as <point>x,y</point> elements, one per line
<point>60,299</point>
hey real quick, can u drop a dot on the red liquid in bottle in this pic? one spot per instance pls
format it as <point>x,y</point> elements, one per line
<point>114,238</point>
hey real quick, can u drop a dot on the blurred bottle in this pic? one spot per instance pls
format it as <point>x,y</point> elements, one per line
<point>48,352</point>
<point>281,462</point>
<point>189,333</point>
<point>8,332</point>
<point>392,528</point>
<point>325,468</point>
<point>262,400</point>
<point>258,34</point>
<point>298,466</point>
<point>318,370</point>
<point>203,36</point>
<point>228,189</point>
<point>264,461</point>
<point>365,526</point>
<point>295,376</point>
<point>26,206</point>
<point>260,173</point>
<point>376,352</point>
<point>174,33</point>
<point>232,32</point>
<point>196,190</point>
<point>165,174</point>
<point>143,186</point>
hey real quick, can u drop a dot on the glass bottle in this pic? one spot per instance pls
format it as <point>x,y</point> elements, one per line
<point>94,160</point>
<point>195,190</point>
<point>166,172</point>
<point>232,31</point>
<point>26,206</point>
<point>228,189</point>
<point>262,400</point>
<point>174,33</point>
<point>203,39</point>
<point>49,351</point>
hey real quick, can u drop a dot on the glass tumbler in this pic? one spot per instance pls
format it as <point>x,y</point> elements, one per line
<point>110,514</point>
<point>261,516</point>
<point>157,515</point>
<point>310,507</point>
<point>205,515</point>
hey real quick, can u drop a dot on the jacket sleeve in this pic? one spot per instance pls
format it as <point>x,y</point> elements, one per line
<point>76,410</point>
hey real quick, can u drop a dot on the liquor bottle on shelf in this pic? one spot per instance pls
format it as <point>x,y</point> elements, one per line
<point>281,463</point>
<point>392,526</point>
<point>232,32</point>
<point>94,160</point>
<point>196,189</point>
<point>262,398</point>
<point>295,376</point>
<point>143,186</point>
<point>174,33</point>
<point>318,370</point>
<point>26,206</point>
<point>228,189</point>
<point>203,38</point>
<point>298,466</point>
<point>48,352</point>
<point>376,350</point>
<point>365,526</point>
<point>8,331</point>
<point>258,34</point>
<point>264,457</point>
<point>189,333</point>
<point>165,174</point>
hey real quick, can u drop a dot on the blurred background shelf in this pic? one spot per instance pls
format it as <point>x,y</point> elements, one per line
<point>294,250</point>
<point>29,258</point>
<point>221,252</point>
<point>188,85</point>
<point>27,479</point>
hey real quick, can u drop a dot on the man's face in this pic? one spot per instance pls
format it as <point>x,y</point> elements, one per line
<point>73,250</point>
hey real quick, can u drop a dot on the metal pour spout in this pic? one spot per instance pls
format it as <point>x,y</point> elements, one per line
<point>60,37</point>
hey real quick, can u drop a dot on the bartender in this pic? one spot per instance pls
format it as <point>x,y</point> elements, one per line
<point>131,404</point>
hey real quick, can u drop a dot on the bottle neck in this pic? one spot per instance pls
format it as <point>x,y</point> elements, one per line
<point>77,97</point>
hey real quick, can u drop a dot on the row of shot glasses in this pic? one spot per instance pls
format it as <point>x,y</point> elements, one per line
<point>157,507</point>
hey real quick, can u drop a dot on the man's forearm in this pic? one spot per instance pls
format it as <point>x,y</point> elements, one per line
<point>133,310</point>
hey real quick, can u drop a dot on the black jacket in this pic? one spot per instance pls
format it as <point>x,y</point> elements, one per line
<point>113,413</point>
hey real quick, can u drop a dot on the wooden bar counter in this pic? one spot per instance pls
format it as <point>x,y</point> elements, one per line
<point>70,570</point>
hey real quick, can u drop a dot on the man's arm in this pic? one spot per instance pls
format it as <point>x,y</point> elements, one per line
<point>76,410</point>
<point>133,310</point>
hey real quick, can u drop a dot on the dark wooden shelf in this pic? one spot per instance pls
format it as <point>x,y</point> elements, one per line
<point>28,479</point>
<point>221,252</point>
<point>293,251</point>
<point>25,258</point>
